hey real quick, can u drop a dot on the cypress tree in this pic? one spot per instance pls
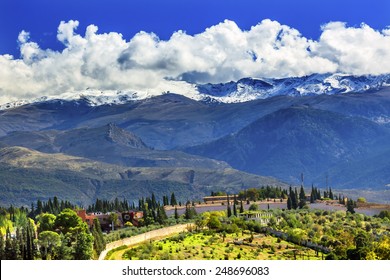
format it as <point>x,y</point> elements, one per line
<point>20,237</point>
<point>29,250</point>
<point>302,198</point>
<point>56,206</point>
<point>312,197</point>
<point>173,199</point>
<point>165,200</point>
<point>154,215</point>
<point>176,213</point>
<point>235,206</point>
<point>83,248</point>
<point>2,249</point>
<point>302,194</point>
<point>241,207</point>
<point>154,203</point>
<point>16,249</point>
<point>99,243</point>
<point>190,212</point>
<point>32,234</point>
<point>294,199</point>
<point>32,212</point>
<point>8,249</point>
<point>289,203</point>
<point>314,192</point>
<point>187,213</point>
<point>229,210</point>
<point>351,206</point>
<point>161,215</point>
<point>326,194</point>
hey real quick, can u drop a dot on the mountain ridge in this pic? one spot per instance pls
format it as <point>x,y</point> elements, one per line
<point>109,144</point>
<point>300,139</point>
<point>27,175</point>
<point>243,90</point>
<point>311,132</point>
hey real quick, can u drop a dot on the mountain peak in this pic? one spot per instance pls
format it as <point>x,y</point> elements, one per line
<point>316,84</point>
<point>243,90</point>
<point>118,135</point>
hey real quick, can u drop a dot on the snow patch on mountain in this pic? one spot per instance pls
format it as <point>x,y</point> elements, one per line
<point>250,89</point>
<point>94,97</point>
<point>246,89</point>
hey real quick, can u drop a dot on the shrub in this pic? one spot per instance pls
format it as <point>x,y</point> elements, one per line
<point>361,200</point>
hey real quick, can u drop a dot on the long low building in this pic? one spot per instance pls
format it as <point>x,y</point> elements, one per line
<point>218,199</point>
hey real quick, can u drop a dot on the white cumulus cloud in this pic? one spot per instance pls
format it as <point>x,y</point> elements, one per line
<point>224,52</point>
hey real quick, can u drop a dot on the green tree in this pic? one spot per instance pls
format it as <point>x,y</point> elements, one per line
<point>384,214</point>
<point>190,212</point>
<point>68,221</point>
<point>350,206</point>
<point>48,241</point>
<point>83,246</point>
<point>161,215</point>
<point>21,242</point>
<point>176,213</point>
<point>77,235</point>
<point>2,245</point>
<point>173,199</point>
<point>31,249</point>
<point>253,207</point>
<point>289,203</point>
<point>302,198</point>
<point>361,200</point>
<point>46,222</point>
<point>147,215</point>
<point>99,244</point>
<point>229,209</point>
<point>382,249</point>
<point>65,251</point>
<point>165,200</point>
<point>11,247</point>
<point>312,195</point>
<point>214,222</point>
<point>154,202</point>
<point>200,223</point>
<point>241,207</point>
<point>252,194</point>
<point>114,220</point>
<point>294,199</point>
<point>331,196</point>
<point>362,247</point>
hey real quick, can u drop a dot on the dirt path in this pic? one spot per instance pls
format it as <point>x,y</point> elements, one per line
<point>154,234</point>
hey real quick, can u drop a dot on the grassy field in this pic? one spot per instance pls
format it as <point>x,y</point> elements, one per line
<point>213,246</point>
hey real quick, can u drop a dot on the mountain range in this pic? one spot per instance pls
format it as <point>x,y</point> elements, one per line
<point>27,175</point>
<point>325,126</point>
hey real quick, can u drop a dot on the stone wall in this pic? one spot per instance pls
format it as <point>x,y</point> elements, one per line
<point>154,234</point>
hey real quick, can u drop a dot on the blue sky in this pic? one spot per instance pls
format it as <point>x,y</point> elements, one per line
<point>58,47</point>
<point>42,17</point>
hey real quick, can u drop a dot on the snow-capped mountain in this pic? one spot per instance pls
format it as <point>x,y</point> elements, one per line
<point>232,92</point>
<point>250,89</point>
